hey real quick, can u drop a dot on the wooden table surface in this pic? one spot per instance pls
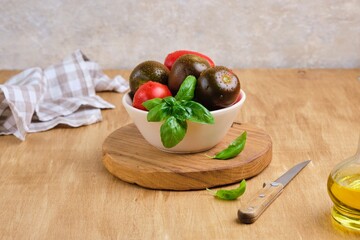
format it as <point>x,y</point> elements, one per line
<point>53,185</point>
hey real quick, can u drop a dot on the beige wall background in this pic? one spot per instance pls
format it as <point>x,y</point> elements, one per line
<point>237,34</point>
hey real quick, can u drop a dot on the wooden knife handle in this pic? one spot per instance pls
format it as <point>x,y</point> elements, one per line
<point>257,205</point>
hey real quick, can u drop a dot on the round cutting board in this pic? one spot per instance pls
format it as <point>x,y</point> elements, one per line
<point>128,156</point>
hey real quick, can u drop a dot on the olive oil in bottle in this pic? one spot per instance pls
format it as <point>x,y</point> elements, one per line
<point>344,190</point>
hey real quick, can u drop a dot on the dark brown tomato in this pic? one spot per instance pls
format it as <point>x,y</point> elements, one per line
<point>148,71</point>
<point>184,66</point>
<point>217,88</point>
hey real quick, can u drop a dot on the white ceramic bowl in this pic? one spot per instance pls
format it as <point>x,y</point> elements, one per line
<point>198,138</point>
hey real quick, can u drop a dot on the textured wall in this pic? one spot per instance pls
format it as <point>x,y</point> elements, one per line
<point>243,33</point>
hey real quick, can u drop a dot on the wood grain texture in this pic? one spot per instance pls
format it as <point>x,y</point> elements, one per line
<point>54,185</point>
<point>128,156</point>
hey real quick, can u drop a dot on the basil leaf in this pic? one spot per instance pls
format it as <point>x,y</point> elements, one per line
<point>234,149</point>
<point>180,112</point>
<point>159,113</point>
<point>149,104</point>
<point>230,194</point>
<point>172,131</point>
<point>175,111</point>
<point>187,89</point>
<point>198,113</point>
<point>170,101</point>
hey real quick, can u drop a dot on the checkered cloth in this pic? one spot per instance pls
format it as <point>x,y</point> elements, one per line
<point>40,99</point>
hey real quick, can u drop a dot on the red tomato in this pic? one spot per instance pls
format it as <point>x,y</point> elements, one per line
<point>171,57</point>
<point>149,90</point>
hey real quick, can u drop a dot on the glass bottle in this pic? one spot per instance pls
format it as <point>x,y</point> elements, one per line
<point>344,189</point>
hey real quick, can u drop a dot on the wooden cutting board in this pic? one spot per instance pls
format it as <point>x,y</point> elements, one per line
<point>129,157</point>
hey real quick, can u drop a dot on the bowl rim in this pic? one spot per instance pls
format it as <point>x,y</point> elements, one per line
<point>126,97</point>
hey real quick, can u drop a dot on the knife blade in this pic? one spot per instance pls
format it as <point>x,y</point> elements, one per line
<point>265,196</point>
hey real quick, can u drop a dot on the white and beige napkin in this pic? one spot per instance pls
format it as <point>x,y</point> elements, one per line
<point>40,99</point>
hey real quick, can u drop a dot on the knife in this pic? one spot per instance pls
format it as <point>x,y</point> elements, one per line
<point>270,191</point>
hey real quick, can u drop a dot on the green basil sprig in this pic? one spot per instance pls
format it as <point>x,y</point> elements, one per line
<point>175,111</point>
<point>230,194</point>
<point>234,149</point>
